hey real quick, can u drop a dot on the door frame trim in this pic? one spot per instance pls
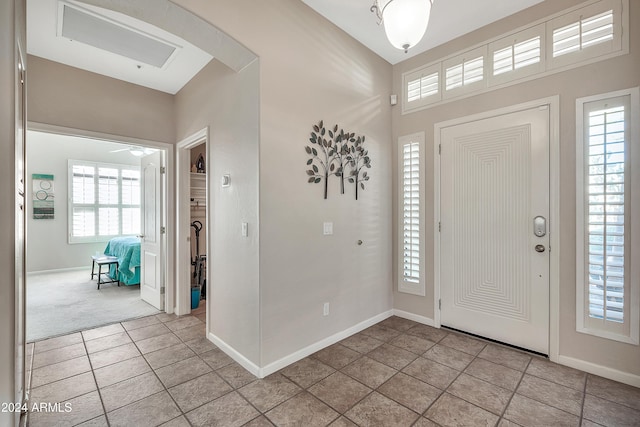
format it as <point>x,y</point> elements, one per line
<point>183,211</point>
<point>553,102</point>
<point>168,243</point>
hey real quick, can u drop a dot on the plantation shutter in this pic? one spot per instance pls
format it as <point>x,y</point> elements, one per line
<point>104,201</point>
<point>411,212</point>
<point>516,56</point>
<point>83,198</point>
<point>607,203</point>
<point>130,201</point>
<point>422,87</point>
<point>606,177</point>
<point>583,33</point>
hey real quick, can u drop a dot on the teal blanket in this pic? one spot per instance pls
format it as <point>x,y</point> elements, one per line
<point>127,249</point>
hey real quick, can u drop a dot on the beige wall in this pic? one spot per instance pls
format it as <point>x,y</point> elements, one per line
<point>65,96</point>
<point>10,32</point>
<point>227,102</point>
<point>613,74</point>
<point>310,70</point>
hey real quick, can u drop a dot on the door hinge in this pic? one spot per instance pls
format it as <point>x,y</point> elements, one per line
<point>439,304</point>
<point>163,230</point>
<point>163,170</point>
<point>162,290</point>
<point>439,226</point>
<point>439,148</point>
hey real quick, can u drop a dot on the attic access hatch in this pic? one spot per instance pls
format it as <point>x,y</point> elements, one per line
<point>77,24</point>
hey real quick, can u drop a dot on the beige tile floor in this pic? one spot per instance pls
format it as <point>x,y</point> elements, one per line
<point>160,370</point>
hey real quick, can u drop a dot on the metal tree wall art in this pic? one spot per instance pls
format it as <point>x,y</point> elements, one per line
<point>340,154</point>
<point>322,161</point>
<point>358,159</point>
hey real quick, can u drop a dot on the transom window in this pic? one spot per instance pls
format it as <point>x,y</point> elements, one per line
<point>583,33</point>
<point>463,74</point>
<point>516,56</point>
<point>423,87</point>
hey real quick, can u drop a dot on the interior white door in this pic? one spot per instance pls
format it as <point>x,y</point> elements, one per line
<point>494,277</point>
<point>151,271</point>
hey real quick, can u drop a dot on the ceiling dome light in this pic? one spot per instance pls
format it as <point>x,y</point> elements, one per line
<point>405,21</point>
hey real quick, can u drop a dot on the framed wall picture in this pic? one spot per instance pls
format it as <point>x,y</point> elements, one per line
<point>43,196</point>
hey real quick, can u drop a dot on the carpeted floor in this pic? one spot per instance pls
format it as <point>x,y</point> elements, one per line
<point>63,302</point>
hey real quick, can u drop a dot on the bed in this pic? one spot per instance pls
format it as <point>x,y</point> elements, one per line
<point>127,250</point>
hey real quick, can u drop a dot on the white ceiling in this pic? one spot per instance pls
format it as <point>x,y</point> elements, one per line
<point>43,41</point>
<point>449,19</point>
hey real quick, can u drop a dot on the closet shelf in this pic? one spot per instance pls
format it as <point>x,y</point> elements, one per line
<point>198,191</point>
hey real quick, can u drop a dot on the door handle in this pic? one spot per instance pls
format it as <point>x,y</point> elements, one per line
<point>540,248</point>
<point>141,236</point>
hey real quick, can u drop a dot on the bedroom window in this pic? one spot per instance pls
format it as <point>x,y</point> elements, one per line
<point>608,280</point>
<point>104,201</point>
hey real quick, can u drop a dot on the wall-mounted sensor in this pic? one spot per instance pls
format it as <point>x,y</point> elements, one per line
<point>226,180</point>
<point>393,99</point>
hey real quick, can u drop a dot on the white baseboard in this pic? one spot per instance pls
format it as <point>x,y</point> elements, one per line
<point>57,270</point>
<point>298,355</point>
<point>235,355</point>
<point>317,346</point>
<point>603,371</point>
<point>415,317</point>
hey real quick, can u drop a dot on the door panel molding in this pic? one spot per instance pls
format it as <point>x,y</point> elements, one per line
<point>552,103</point>
<point>151,240</point>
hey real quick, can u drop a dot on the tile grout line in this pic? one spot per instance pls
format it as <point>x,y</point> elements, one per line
<point>95,380</point>
<point>454,380</point>
<point>157,377</point>
<point>555,384</point>
<point>584,398</point>
<point>306,389</point>
<point>350,377</point>
<point>375,390</point>
<point>514,391</point>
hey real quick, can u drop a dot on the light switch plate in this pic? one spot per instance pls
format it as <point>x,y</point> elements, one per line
<point>327,228</point>
<point>245,229</point>
<point>226,180</point>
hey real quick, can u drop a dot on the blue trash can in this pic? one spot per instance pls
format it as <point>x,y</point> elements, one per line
<point>195,298</point>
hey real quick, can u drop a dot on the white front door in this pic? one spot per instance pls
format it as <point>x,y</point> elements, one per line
<point>151,271</point>
<point>494,242</point>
